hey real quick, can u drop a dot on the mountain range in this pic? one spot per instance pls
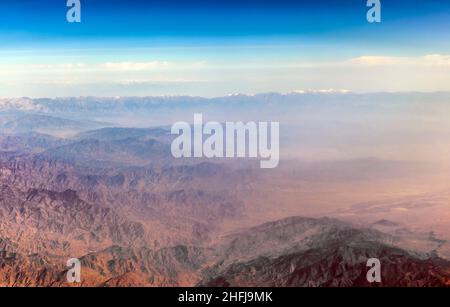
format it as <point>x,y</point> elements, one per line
<point>83,178</point>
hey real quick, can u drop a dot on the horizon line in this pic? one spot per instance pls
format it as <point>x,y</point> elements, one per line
<point>295,92</point>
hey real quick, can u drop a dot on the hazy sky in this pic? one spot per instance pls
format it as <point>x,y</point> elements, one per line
<point>217,47</point>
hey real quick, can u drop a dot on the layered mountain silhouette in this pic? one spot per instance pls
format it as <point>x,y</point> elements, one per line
<point>73,185</point>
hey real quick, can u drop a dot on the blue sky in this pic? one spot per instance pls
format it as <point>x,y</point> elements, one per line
<point>211,48</point>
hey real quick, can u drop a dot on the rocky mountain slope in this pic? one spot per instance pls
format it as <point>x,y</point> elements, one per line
<point>134,216</point>
<point>298,252</point>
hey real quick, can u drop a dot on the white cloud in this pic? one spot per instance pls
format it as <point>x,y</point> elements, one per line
<point>83,67</point>
<point>159,80</point>
<point>56,67</point>
<point>437,60</point>
<point>133,66</point>
<point>322,91</point>
<point>366,73</point>
<point>431,60</point>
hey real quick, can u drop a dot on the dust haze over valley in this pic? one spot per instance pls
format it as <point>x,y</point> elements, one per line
<point>360,176</point>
